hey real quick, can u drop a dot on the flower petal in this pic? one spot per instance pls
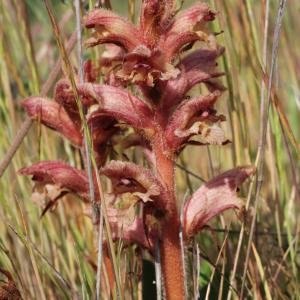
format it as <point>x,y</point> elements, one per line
<point>197,67</point>
<point>192,117</point>
<point>64,96</point>
<point>213,198</point>
<point>61,175</point>
<point>200,65</point>
<point>52,115</point>
<point>118,103</point>
<point>112,28</point>
<point>187,28</point>
<point>129,177</point>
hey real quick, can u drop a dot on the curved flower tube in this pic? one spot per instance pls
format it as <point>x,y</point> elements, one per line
<point>119,104</point>
<point>129,177</point>
<point>111,28</point>
<point>60,174</point>
<point>214,197</point>
<point>195,116</point>
<point>188,27</point>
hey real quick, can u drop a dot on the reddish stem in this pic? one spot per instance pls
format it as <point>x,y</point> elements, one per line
<point>171,261</point>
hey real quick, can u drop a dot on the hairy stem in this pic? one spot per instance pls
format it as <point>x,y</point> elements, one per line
<point>171,262</point>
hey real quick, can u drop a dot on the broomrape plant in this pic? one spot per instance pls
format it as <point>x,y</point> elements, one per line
<point>149,59</point>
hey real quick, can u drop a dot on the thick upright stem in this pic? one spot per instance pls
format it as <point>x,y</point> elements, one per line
<point>171,261</point>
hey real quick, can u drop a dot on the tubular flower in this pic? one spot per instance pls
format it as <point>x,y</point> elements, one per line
<point>55,179</point>
<point>60,174</point>
<point>163,119</point>
<point>130,178</point>
<point>213,198</point>
<point>61,115</point>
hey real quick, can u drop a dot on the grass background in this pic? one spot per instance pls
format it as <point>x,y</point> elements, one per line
<point>44,254</point>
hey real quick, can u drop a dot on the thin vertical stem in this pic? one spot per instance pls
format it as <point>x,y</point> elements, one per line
<point>242,232</point>
<point>100,255</point>
<point>131,10</point>
<point>81,80</point>
<point>158,278</point>
<point>87,147</point>
<point>263,133</point>
<point>196,270</point>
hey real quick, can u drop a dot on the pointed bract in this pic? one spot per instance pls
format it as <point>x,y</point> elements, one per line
<point>214,197</point>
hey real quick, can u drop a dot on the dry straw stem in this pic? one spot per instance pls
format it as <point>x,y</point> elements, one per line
<point>262,140</point>
<point>27,241</point>
<point>242,231</point>
<point>216,264</point>
<point>105,3</point>
<point>87,152</point>
<point>158,276</point>
<point>26,125</point>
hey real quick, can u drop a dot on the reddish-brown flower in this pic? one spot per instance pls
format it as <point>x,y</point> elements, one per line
<point>147,52</point>
<point>212,198</point>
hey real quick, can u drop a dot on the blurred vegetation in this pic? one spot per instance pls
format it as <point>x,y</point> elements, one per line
<point>53,257</point>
